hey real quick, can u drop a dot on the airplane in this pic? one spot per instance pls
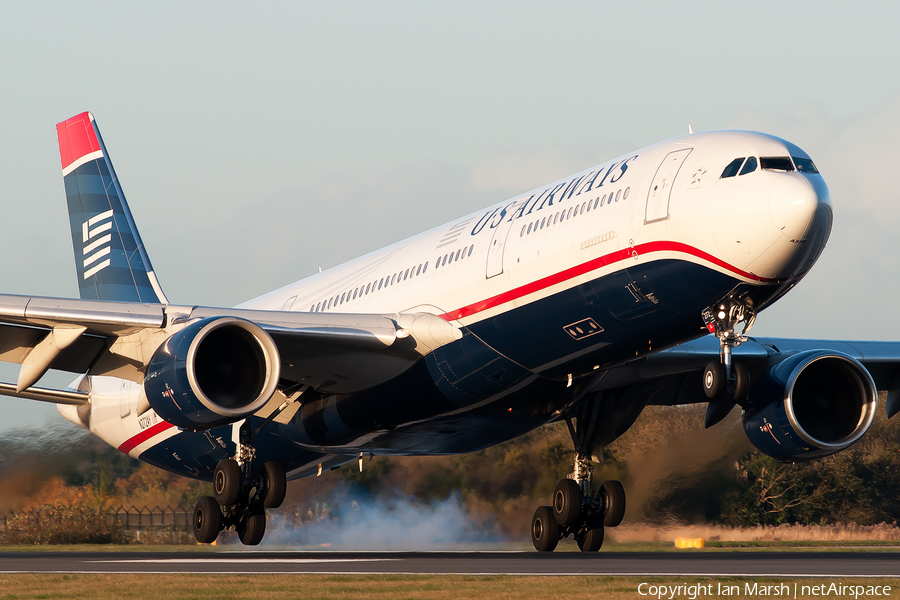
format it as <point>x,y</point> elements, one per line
<point>631,283</point>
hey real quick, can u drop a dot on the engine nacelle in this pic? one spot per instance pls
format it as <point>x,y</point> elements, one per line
<point>213,372</point>
<point>810,405</point>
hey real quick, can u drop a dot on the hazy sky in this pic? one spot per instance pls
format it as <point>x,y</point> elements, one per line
<point>255,144</point>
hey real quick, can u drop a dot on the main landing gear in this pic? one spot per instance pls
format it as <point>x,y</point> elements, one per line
<point>725,382</point>
<point>241,495</point>
<point>576,509</point>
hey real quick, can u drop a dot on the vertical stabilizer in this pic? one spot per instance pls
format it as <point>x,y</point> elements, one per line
<point>110,258</point>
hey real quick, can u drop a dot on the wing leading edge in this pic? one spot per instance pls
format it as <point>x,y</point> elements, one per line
<point>331,353</point>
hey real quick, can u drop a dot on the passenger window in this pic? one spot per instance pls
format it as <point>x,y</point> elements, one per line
<point>776,163</point>
<point>733,167</point>
<point>544,220</point>
<point>354,293</point>
<point>405,275</point>
<point>619,193</point>
<point>749,166</point>
<point>625,196</point>
<point>603,200</point>
<point>367,289</point>
<point>583,206</point>
<point>805,165</point>
<point>419,270</point>
<point>472,247</point>
<point>523,231</point>
<point>425,268</point>
<point>529,228</point>
<point>569,214</point>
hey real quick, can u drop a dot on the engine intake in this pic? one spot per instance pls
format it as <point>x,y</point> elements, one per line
<point>810,405</point>
<point>213,372</point>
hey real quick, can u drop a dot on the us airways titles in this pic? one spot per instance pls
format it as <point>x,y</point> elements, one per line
<point>576,186</point>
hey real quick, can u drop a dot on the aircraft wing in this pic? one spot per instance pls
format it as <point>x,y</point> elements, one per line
<point>672,376</point>
<point>329,352</point>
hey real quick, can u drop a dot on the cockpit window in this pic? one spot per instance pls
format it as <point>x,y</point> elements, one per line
<point>805,165</point>
<point>776,163</point>
<point>749,166</point>
<point>732,169</point>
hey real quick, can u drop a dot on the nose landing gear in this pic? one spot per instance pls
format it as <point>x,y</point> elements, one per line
<point>724,381</point>
<point>241,495</point>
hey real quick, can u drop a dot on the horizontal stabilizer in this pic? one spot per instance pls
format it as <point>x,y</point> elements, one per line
<point>70,397</point>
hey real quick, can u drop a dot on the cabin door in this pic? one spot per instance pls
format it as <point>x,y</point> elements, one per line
<point>661,187</point>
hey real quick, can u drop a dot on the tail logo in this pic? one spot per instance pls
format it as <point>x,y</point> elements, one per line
<point>96,244</point>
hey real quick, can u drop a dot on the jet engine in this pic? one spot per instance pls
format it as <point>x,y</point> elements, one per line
<point>809,405</point>
<point>213,372</point>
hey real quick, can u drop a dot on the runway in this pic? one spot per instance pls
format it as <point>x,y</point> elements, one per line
<point>712,564</point>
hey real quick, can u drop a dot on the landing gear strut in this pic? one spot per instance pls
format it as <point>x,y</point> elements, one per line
<point>724,381</point>
<point>241,494</point>
<point>576,509</point>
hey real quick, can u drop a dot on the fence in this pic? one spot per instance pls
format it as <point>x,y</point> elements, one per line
<point>64,524</point>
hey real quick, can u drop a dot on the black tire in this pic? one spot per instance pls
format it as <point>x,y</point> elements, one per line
<point>544,530</point>
<point>274,484</point>
<point>714,380</point>
<point>567,502</point>
<point>206,520</point>
<point>227,482</point>
<point>615,503</point>
<point>252,526</point>
<point>741,381</point>
<point>592,540</point>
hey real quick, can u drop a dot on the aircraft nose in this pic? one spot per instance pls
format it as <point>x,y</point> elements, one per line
<point>794,201</point>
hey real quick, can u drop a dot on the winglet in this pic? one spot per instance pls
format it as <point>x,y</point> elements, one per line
<point>110,258</point>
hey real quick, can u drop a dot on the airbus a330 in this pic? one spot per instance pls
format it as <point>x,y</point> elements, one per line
<point>631,283</point>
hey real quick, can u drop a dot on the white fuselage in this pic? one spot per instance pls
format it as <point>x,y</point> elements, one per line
<point>750,225</point>
<point>666,201</point>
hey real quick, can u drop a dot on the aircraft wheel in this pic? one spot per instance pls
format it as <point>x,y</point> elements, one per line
<point>615,503</point>
<point>227,482</point>
<point>592,540</point>
<point>741,381</point>
<point>544,530</point>
<point>567,502</point>
<point>274,484</point>
<point>206,520</point>
<point>252,526</point>
<point>713,379</point>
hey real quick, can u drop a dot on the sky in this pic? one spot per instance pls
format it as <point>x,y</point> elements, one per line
<point>256,143</point>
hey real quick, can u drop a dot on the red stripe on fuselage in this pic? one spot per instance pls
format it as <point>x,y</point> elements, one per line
<point>592,265</point>
<point>135,441</point>
<point>76,138</point>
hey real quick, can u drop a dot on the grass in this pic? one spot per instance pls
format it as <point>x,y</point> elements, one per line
<point>387,587</point>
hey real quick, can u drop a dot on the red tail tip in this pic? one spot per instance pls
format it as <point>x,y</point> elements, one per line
<point>76,138</point>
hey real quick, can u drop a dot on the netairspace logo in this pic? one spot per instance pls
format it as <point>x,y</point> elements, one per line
<point>769,590</point>
<point>354,520</point>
